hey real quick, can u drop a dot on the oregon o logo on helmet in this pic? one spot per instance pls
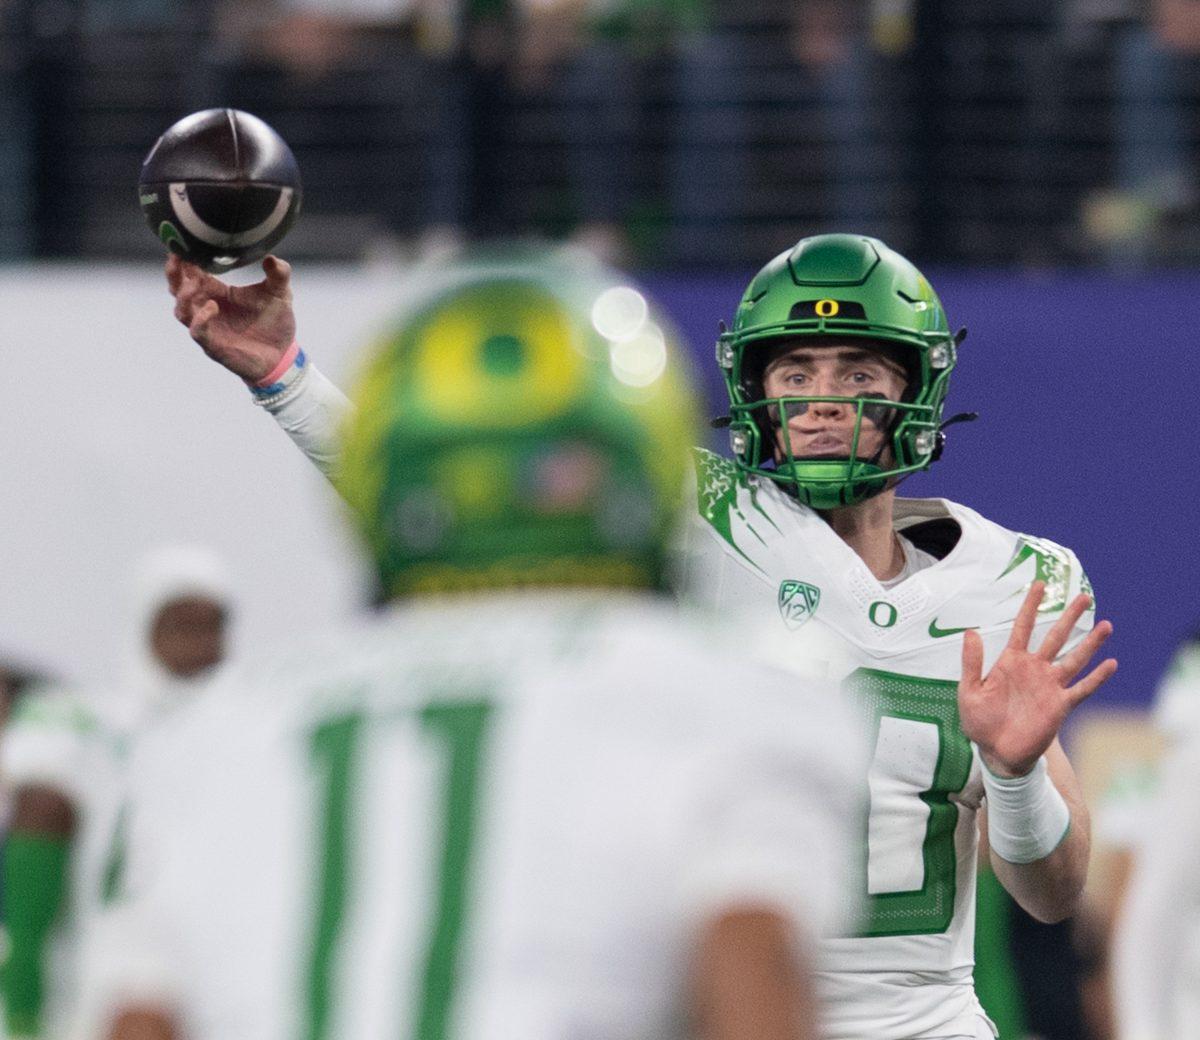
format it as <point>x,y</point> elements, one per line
<point>462,370</point>
<point>827,308</point>
<point>882,615</point>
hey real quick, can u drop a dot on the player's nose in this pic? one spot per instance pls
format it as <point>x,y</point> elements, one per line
<point>826,409</point>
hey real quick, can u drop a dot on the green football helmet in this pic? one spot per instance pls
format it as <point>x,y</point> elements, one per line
<point>838,287</point>
<point>523,423</point>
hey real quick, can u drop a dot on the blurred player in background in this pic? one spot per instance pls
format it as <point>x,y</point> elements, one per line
<point>63,757</point>
<point>527,798</point>
<point>1156,947</point>
<point>1156,951</point>
<point>837,366</point>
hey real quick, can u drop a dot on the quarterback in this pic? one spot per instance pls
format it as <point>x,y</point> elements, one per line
<point>961,640</point>
<point>527,798</point>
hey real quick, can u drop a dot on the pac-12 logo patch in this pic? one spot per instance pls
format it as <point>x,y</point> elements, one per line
<point>797,602</point>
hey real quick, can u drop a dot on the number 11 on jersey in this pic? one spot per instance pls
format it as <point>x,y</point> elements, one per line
<point>460,727</point>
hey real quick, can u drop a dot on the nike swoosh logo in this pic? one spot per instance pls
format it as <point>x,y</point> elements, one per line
<point>939,633</point>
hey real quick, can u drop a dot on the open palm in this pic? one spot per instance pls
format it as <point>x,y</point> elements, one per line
<point>1015,712</point>
<point>246,328</point>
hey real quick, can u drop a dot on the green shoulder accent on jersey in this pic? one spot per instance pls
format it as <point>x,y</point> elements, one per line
<point>717,485</point>
<point>1085,586</point>
<point>1052,565</point>
<point>57,712</point>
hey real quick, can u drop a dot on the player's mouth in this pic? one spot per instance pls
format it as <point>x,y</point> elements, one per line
<point>823,443</point>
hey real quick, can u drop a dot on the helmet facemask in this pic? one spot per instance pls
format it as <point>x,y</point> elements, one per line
<point>760,429</point>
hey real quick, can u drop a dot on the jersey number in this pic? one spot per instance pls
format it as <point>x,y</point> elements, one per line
<point>461,727</point>
<point>921,758</point>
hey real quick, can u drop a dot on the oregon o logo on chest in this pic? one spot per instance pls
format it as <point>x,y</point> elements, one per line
<point>827,308</point>
<point>882,614</point>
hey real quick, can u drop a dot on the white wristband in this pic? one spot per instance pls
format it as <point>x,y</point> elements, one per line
<point>1027,817</point>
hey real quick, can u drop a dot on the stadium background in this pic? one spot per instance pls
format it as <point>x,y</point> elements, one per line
<point>1035,158</point>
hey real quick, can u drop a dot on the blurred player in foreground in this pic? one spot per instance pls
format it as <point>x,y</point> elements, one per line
<point>63,754</point>
<point>964,639</point>
<point>527,799</point>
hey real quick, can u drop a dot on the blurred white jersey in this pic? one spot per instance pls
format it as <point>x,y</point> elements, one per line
<point>897,651</point>
<point>1156,953</point>
<point>74,742</point>
<point>498,817</point>
<point>1176,712</point>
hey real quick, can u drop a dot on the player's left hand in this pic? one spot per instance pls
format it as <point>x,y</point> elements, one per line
<point>1014,714</point>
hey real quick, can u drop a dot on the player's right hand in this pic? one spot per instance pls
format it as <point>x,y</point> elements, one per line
<point>246,328</point>
<point>1014,713</point>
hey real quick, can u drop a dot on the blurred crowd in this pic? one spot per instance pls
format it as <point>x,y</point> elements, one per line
<point>661,132</point>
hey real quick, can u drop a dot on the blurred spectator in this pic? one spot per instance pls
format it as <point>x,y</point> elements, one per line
<point>375,97</point>
<point>1153,42</point>
<point>125,15</point>
<point>843,47</point>
<point>571,50</point>
<point>596,54</point>
<point>63,756</point>
<point>16,139</point>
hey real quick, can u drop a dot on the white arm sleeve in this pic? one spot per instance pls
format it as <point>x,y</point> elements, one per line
<point>311,414</point>
<point>1162,911</point>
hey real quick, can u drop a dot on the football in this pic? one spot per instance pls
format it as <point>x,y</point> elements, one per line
<point>220,188</point>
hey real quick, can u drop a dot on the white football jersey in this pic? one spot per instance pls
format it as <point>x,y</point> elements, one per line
<point>73,741</point>
<point>492,817</point>
<point>752,548</point>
